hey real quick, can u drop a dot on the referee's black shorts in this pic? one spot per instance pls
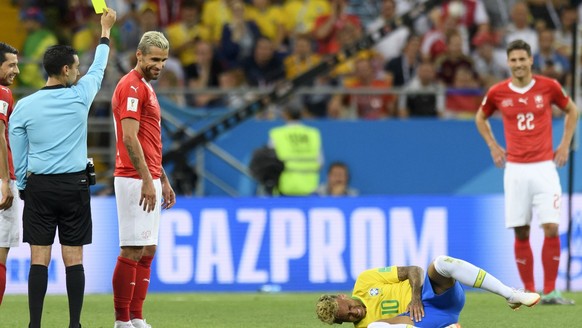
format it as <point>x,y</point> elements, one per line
<point>57,200</point>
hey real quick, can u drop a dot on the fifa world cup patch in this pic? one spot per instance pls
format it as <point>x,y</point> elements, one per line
<point>3,107</point>
<point>132,104</point>
<point>374,291</point>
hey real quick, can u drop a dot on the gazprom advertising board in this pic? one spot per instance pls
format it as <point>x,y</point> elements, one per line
<point>306,244</point>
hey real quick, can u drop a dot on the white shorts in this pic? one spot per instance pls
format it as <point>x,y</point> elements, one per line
<point>10,222</point>
<point>531,188</point>
<point>136,226</point>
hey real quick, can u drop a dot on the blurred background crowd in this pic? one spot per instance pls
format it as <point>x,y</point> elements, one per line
<point>222,51</point>
<point>458,47</point>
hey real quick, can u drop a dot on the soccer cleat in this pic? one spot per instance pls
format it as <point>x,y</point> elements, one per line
<point>140,323</point>
<point>519,298</point>
<point>454,325</point>
<point>555,298</point>
<point>123,324</point>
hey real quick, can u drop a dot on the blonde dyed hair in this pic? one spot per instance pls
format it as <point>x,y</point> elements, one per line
<point>326,308</point>
<point>152,39</point>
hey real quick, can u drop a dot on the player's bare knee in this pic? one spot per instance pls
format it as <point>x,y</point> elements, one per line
<point>133,253</point>
<point>550,230</point>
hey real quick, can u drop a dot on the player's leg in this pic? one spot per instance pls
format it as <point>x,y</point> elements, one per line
<point>37,282</point>
<point>137,229</point>
<point>547,203</point>
<point>143,270</point>
<point>445,269</point>
<point>9,236</point>
<point>142,283</point>
<point>3,257</point>
<point>75,280</point>
<point>518,214</point>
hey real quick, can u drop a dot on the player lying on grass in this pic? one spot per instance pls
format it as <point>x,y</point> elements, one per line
<point>397,297</point>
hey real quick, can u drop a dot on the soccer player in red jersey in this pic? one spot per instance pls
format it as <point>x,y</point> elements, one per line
<point>531,180</point>
<point>9,223</point>
<point>141,185</point>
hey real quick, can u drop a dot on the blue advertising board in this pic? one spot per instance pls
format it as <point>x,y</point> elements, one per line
<point>306,244</point>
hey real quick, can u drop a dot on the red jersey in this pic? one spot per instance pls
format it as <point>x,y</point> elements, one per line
<point>135,98</point>
<point>6,105</point>
<point>527,116</point>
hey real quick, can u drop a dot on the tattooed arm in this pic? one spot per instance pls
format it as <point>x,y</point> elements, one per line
<point>130,128</point>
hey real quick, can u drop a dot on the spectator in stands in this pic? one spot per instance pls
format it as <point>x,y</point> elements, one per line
<point>299,147</point>
<point>544,14</point>
<point>37,40</point>
<point>490,61</point>
<point>547,61</point>
<point>204,74</point>
<point>327,26</point>
<point>184,34</point>
<point>234,80</point>
<point>369,106</point>
<point>563,43</point>
<point>263,68</point>
<point>300,15</point>
<point>338,181</point>
<point>471,14</point>
<point>215,15</point>
<point>464,96</point>
<point>134,24</point>
<point>367,11</point>
<point>498,12</point>
<point>392,44</point>
<point>453,59</point>
<point>431,103</point>
<point>402,68</point>
<point>434,43</point>
<point>270,19</point>
<point>238,37</point>
<point>302,57</point>
<point>520,27</point>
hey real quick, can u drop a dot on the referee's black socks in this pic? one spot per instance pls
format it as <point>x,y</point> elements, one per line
<point>75,292</point>
<point>37,284</point>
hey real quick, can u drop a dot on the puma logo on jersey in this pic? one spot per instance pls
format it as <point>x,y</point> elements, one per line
<point>134,88</point>
<point>522,101</point>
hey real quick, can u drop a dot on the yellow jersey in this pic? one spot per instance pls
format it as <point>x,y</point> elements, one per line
<point>382,293</point>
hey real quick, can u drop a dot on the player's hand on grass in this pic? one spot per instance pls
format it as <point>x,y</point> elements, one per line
<point>416,309</point>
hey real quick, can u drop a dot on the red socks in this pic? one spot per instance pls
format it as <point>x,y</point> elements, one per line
<point>142,282</point>
<point>524,260</point>
<point>2,281</point>
<point>550,262</point>
<point>123,285</point>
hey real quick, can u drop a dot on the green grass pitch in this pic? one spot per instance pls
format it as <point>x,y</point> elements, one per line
<point>281,310</point>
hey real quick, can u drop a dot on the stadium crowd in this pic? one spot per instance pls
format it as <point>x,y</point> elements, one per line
<point>452,53</point>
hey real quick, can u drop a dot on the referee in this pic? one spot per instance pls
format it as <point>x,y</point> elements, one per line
<point>48,134</point>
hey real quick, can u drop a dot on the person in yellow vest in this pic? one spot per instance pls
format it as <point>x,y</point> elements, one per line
<point>299,147</point>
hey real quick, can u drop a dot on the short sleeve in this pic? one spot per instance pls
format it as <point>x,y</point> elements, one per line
<point>131,101</point>
<point>488,104</point>
<point>6,103</point>
<point>559,95</point>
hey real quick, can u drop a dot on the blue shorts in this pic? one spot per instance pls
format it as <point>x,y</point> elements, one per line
<point>440,310</point>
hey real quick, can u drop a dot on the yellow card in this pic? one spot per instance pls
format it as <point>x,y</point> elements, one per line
<point>99,6</point>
